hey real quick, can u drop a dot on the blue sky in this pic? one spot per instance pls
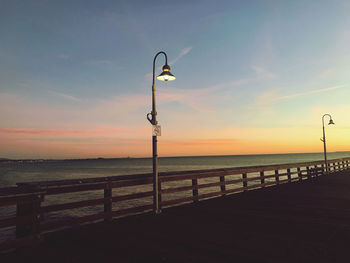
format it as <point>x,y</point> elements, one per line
<point>241,66</point>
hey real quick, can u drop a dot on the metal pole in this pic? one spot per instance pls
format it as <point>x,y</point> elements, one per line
<point>155,156</point>
<point>324,140</point>
<point>154,139</point>
<point>324,146</point>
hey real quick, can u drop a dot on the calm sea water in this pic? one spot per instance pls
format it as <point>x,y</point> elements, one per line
<point>13,172</point>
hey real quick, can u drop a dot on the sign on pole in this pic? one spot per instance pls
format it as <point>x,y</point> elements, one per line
<point>156,130</point>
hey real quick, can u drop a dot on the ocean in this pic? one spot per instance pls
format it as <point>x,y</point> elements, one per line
<point>46,170</point>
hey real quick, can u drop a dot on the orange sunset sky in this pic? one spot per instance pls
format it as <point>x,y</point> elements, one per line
<point>252,77</point>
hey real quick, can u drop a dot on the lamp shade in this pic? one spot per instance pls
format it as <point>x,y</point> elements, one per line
<point>331,122</point>
<point>166,74</point>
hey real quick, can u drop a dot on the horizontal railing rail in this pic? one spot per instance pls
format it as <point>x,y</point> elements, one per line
<point>106,198</point>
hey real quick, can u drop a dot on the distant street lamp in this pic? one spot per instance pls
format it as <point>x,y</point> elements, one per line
<point>324,140</point>
<point>164,76</point>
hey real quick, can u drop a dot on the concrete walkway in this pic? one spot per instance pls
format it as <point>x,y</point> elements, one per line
<point>297,222</point>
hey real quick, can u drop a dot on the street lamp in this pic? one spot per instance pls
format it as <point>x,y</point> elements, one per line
<point>324,139</point>
<point>164,76</point>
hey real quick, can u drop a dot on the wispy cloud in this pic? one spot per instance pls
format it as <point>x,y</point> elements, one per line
<point>65,96</point>
<point>128,104</point>
<point>273,95</point>
<point>264,102</point>
<point>52,147</point>
<point>182,53</point>
<point>310,92</point>
<point>103,131</point>
<point>231,83</point>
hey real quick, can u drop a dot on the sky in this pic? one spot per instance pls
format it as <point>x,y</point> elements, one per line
<point>251,77</point>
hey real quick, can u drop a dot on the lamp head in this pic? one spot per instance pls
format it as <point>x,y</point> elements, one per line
<point>166,74</point>
<point>331,122</point>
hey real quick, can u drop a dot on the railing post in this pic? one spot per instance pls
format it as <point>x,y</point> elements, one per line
<point>31,209</point>
<point>277,177</point>
<point>299,174</point>
<point>195,189</point>
<point>108,202</point>
<point>308,172</point>
<point>262,179</point>
<point>223,186</point>
<point>289,175</point>
<point>323,170</point>
<point>245,183</point>
<point>316,171</point>
<point>327,168</point>
<point>160,194</point>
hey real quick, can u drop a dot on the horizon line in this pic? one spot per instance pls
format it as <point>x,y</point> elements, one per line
<point>150,157</point>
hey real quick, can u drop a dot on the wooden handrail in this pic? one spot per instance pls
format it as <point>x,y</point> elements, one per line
<point>236,170</point>
<point>175,188</point>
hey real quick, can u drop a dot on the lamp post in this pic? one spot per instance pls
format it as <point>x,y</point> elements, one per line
<point>164,76</point>
<point>324,139</point>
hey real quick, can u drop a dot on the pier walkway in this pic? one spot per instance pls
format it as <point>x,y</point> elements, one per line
<point>306,221</point>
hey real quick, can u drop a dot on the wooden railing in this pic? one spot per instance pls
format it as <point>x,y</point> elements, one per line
<point>111,197</point>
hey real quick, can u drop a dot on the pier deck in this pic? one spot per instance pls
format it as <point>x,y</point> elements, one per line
<point>305,221</point>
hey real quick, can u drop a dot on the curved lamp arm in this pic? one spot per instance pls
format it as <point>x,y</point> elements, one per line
<point>151,117</point>
<point>330,117</point>
<point>154,62</point>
